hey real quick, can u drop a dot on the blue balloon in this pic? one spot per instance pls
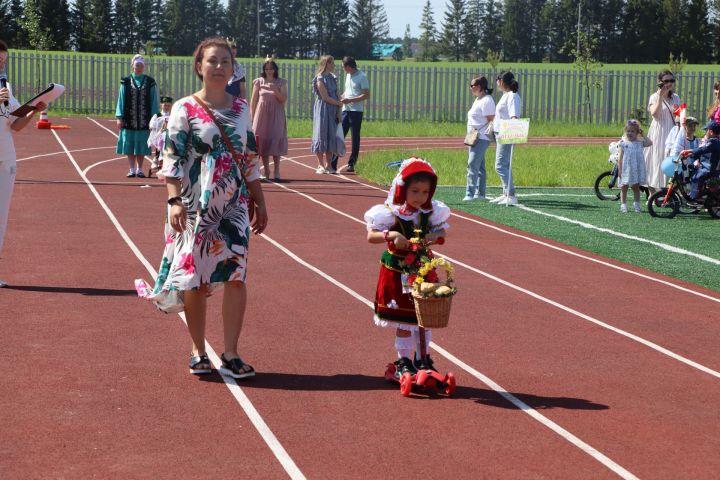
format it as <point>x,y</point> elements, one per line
<point>669,166</point>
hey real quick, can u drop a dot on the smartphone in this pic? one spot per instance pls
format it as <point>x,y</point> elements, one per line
<point>660,84</point>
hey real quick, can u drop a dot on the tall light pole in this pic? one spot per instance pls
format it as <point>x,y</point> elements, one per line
<point>577,48</point>
<point>258,28</point>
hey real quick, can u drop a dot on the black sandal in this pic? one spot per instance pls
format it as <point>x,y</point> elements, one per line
<point>200,364</point>
<point>425,364</point>
<point>236,368</point>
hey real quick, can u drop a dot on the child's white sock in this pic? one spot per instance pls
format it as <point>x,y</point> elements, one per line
<point>404,346</point>
<point>416,339</point>
<point>623,207</point>
<point>636,206</point>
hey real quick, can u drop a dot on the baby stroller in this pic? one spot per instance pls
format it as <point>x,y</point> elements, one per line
<point>606,184</point>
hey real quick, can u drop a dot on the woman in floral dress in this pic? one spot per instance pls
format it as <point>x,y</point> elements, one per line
<point>209,224</point>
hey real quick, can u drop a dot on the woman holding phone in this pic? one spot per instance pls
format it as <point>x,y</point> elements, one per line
<point>661,106</point>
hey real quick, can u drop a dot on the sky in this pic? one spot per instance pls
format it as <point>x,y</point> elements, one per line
<point>403,12</point>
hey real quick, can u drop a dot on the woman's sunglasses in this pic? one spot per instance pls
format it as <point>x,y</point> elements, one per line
<point>669,81</point>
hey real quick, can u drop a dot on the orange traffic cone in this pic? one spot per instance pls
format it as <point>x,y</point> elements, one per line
<point>43,123</point>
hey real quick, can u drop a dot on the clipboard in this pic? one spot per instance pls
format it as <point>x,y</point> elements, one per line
<point>53,91</point>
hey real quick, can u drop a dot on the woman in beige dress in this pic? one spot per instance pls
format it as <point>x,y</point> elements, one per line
<point>661,106</point>
<point>269,95</point>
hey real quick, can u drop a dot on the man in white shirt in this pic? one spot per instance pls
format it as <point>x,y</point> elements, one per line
<point>357,90</point>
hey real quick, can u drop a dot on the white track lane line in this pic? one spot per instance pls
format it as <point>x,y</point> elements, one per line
<point>61,152</point>
<point>538,242</point>
<point>539,297</point>
<point>589,226</point>
<point>534,414</point>
<point>85,172</point>
<point>267,435</point>
<point>103,127</point>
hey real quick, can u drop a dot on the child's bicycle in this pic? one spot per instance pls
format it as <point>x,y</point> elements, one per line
<point>606,184</point>
<point>426,378</point>
<point>668,202</point>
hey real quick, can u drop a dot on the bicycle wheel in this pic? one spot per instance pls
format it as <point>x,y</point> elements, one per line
<point>656,207</point>
<point>606,187</point>
<point>715,207</point>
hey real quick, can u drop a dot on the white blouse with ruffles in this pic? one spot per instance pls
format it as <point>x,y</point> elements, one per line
<point>382,217</point>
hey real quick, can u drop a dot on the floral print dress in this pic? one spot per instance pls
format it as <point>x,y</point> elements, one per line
<point>214,246</point>
<point>633,164</point>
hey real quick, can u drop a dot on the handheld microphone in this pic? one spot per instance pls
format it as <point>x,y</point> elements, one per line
<point>3,84</point>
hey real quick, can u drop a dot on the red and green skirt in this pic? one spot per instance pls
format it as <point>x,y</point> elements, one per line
<point>391,304</point>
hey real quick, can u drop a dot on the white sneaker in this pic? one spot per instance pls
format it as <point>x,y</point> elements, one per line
<point>479,197</point>
<point>468,198</point>
<point>320,170</point>
<point>636,207</point>
<point>511,200</point>
<point>3,283</point>
<point>500,199</point>
<point>623,208</point>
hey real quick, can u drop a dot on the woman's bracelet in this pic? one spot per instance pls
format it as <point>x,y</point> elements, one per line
<point>174,201</point>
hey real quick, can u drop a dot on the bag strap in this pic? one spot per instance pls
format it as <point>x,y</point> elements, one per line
<point>669,109</point>
<point>226,139</point>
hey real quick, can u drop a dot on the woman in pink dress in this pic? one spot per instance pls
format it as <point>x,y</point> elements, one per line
<point>714,109</point>
<point>269,95</point>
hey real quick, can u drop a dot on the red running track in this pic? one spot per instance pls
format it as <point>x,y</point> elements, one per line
<point>569,365</point>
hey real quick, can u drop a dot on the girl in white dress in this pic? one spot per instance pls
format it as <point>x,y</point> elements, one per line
<point>631,164</point>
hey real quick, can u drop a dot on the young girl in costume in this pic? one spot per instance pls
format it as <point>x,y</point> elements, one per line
<point>409,207</point>
<point>631,164</point>
<point>158,127</point>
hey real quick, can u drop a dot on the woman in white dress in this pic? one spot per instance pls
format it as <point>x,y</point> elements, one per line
<point>8,124</point>
<point>661,106</point>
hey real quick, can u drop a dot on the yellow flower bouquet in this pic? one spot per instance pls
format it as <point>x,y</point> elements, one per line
<point>432,296</point>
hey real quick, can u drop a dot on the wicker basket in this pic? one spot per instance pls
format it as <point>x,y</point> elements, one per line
<point>432,312</point>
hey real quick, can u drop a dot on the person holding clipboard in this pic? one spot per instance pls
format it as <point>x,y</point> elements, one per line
<point>9,123</point>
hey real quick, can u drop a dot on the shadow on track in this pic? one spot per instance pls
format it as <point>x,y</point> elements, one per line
<point>493,399</point>
<point>556,204</point>
<point>357,382</point>
<point>105,292</point>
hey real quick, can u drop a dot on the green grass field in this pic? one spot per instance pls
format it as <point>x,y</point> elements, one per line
<point>535,166</point>
<point>384,128</point>
<point>539,166</point>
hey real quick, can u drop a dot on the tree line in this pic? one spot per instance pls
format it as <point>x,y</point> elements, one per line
<point>288,28</point>
<point>623,31</point>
